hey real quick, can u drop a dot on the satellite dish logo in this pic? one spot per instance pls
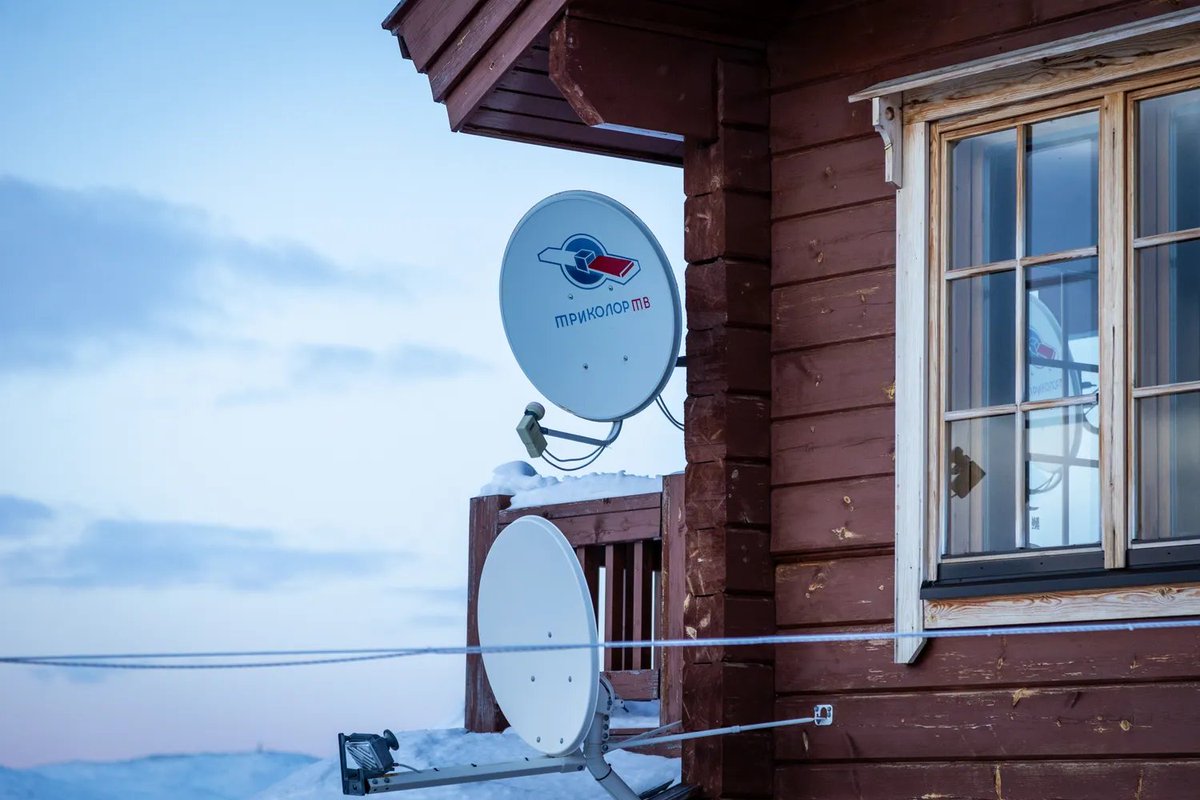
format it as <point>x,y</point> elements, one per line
<point>587,264</point>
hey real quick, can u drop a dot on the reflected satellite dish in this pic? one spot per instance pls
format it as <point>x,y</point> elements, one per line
<point>590,306</point>
<point>532,589</point>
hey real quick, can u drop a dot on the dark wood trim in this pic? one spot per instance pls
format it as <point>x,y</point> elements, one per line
<point>674,594</point>
<point>634,684</point>
<point>1064,582</point>
<point>582,508</point>
<point>481,713</point>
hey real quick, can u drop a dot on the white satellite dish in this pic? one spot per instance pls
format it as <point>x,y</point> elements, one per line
<point>531,592</point>
<point>532,589</point>
<point>590,306</point>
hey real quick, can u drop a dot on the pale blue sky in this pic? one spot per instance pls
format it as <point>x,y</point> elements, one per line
<point>251,366</point>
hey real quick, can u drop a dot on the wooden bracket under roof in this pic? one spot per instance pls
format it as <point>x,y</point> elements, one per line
<point>887,117</point>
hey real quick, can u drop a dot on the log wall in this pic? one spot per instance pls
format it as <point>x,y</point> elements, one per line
<point>1018,718</point>
<point>727,180</point>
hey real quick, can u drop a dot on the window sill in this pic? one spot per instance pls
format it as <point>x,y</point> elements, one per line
<point>1047,607</point>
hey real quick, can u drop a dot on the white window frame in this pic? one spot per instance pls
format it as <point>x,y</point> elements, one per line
<point>1014,83</point>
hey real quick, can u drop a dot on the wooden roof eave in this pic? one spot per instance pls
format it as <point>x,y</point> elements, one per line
<point>489,62</point>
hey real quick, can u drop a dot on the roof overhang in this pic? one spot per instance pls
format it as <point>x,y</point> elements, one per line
<point>621,77</point>
<point>1093,58</point>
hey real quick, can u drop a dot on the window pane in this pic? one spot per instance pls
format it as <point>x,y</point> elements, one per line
<point>1168,309</point>
<point>983,199</point>
<point>1168,466</point>
<point>981,341</point>
<point>1062,337</point>
<point>1169,163</point>
<point>1062,195</point>
<point>1062,470</point>
<point>981,486</point>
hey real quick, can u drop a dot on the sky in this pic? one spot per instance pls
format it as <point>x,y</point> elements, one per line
<point>252,367</point>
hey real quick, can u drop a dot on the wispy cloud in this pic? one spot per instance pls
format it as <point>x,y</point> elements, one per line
<point>316,368</point>
<point>127,553</point>
<point>104,269</point>
<point>20,517</point>
<point>330,365</point>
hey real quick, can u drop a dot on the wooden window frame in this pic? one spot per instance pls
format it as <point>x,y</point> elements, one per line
<point>919,113</point>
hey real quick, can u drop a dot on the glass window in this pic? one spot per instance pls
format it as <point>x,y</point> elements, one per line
<point>1169,163</point>
<point>983,197</point>
<point>1062,468</point>
<point>1062,330</point>
<point>982,477</point>
<point>982,366</point>
<point>1062,194</point>
<point>1168,313</point>
<point>1022,341</point>
<point>1168,466</point>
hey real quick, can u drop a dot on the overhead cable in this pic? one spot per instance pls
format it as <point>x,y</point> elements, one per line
<point>136,661</point>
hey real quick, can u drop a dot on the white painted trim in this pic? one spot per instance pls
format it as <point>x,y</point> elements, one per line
<point>887,117</point>
<point>912,386</point>
<point>992,66</point>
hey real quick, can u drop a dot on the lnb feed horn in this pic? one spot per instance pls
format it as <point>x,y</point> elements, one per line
<point>533,434</point>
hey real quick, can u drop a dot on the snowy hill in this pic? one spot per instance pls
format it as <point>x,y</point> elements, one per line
<point>288,776</point>
<point>191,777</point>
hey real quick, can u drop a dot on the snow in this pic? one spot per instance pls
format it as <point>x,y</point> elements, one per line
<point>421,749</point>
<point>631,714</point>
<point>288,776</point>
<point>527,488</point>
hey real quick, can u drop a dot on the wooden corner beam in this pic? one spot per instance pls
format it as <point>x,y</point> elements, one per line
<point>631,78</point>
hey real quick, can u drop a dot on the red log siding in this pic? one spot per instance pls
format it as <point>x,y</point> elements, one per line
<point>1016,718</point>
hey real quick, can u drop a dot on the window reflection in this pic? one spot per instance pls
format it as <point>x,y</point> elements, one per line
<point>1062,195</point>
<point>1062,337</point>
<point>983,199</point>
<point>1169,163</point>
<point>1168,301</point>
<point>1168,467</point>
<point>981,341</point>
<point>1062,474</point>
<point>982,483</point>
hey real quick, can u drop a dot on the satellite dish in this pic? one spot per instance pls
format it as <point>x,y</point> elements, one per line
<point>532,589</point>
<point>590,306</point>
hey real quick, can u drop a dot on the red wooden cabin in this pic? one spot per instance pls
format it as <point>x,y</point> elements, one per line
<point>943,295</point>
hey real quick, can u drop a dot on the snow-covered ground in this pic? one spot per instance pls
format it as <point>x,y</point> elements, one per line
<point>527,488</point>
<point>287,776</point>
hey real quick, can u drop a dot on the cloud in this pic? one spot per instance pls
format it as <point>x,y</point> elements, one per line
<point>103,269</point>
<point>87,676</point>
<point>443,595</point>
<point>125,553</point>
<point>20,517</point>
<point>334,366</point>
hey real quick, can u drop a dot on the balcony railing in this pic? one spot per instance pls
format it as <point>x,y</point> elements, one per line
<point>632,553</point>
